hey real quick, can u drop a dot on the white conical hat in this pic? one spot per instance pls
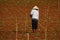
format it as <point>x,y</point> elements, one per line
<point>35,7</point>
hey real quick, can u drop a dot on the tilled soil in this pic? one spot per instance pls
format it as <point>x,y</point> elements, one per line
<point>15,21</point>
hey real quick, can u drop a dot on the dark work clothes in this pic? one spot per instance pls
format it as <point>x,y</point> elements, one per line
<point>34,23</point>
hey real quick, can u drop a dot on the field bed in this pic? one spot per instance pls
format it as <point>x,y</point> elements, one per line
<point>15,20</point>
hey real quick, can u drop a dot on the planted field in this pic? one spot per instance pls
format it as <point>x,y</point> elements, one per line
<point>15,20</point>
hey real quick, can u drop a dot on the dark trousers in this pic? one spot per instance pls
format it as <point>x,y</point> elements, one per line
<point>34,23</point>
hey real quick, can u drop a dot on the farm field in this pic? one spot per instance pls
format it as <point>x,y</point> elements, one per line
<point>15,20</point>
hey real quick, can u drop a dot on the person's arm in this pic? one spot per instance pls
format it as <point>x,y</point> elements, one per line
<point>31,13</point>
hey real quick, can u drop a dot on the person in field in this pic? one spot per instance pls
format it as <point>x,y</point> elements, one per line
<point>35,17</point>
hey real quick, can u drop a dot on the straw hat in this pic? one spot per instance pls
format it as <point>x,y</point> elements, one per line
<point>35,7</point>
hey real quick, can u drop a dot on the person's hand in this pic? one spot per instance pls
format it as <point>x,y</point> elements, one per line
<point>30,15</point>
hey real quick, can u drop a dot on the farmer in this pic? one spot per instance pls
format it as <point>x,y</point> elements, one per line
<point>35,17</point>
